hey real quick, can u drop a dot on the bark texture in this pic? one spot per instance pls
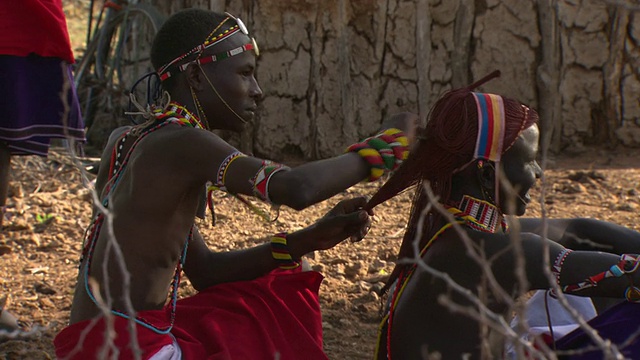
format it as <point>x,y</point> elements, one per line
<point>333,70</point>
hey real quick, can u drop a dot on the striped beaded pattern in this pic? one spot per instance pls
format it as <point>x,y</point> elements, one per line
<point>491,126</point>
<point>280,252</point>
<point>383,152</point>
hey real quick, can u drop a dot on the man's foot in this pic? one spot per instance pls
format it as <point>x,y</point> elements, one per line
<point>8,321</point>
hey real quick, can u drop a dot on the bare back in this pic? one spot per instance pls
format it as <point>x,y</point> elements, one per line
<point>428,310</point>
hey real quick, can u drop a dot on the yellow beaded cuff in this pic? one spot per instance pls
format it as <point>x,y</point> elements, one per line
<point>280,252</point>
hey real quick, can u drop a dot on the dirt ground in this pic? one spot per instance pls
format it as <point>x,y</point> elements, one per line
<point>49,208</point>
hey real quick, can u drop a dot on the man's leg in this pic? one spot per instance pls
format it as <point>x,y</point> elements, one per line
<point>5,168</point>
<point>8,322</point>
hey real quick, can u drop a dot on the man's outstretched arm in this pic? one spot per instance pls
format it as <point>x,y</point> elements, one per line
<point>205,156</point>
<point>586,234</point>
<point>206,268</point>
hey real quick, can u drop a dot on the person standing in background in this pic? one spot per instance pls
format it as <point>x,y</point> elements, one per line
<point>36,89</point>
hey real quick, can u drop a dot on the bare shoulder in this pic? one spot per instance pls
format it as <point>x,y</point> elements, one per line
<point>186,150</point>
<point>186,139</point>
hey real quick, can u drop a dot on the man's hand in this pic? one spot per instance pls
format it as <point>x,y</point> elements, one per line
<point>345,220</point>
<point>406,121</point>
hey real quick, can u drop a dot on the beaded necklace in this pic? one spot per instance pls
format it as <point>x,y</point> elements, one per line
<point>476,214</point>
<point>174,113</point>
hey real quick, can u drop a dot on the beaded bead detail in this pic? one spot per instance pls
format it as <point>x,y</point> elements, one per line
<point>280,252</point>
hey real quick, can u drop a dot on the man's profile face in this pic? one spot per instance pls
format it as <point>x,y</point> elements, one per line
<point>521,170</point>
<point>234,79</point>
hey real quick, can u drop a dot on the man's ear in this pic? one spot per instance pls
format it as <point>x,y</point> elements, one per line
<point>194,77</point>
<point>486,174</point>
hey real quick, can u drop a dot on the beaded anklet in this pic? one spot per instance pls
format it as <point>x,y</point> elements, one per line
<point>384,152</point>
<point>280,252</point>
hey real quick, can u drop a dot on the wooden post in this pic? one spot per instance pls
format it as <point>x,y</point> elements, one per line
<point>548,77</point>
<point>423,57</point>
<point>461,54</point>
<point>619,21</point>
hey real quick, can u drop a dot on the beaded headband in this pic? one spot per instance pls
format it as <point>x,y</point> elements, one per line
<point>210,41</point>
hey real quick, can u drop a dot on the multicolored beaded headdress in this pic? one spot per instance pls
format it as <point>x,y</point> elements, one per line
<point>490,141</point>
<point>491,132</point>
<point>212,39</point>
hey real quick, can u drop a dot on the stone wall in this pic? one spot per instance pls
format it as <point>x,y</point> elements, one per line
<point>332,70</point>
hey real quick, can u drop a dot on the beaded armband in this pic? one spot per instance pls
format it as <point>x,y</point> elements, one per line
<point>219,184</point>
<point>627,265</point>
<point>260,181</point>
<point>280,252</point>
<point>222,169</point>
<point>384,152</point>
<point>557,265</point>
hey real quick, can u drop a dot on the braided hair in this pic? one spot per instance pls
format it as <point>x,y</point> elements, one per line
<point>445,147</point>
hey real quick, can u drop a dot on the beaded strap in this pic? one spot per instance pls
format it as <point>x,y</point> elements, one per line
<point>384,152</point>
<point>280,252</point>
<point>91,235</point>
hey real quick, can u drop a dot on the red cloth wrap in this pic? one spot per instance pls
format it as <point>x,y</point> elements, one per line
<point>278,313</point>
<point>34,26</point>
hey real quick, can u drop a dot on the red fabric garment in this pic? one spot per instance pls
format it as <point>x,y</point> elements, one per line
<point>34,26</point>
<point>278,313</point>
<point>69,344</point>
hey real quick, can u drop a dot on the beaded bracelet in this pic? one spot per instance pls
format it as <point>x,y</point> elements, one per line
<point>260,181</point>
<point>632,294</point>
<point>384,152</point>
<point>280,252</point>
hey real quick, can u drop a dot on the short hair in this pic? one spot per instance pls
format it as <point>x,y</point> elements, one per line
<point>182,32</point>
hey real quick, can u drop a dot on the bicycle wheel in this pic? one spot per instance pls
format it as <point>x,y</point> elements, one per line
<point>121,55</point>
<point>87,77</point>
<point>132,32</point>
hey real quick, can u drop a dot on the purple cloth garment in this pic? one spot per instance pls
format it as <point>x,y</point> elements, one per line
<point>617,324</point>
<point>30,98</point>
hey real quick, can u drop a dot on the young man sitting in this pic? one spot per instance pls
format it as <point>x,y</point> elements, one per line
<point>460,266</point>
<point>252,304</point>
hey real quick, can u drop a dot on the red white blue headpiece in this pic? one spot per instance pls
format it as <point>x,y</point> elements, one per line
<point>491,128</point>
